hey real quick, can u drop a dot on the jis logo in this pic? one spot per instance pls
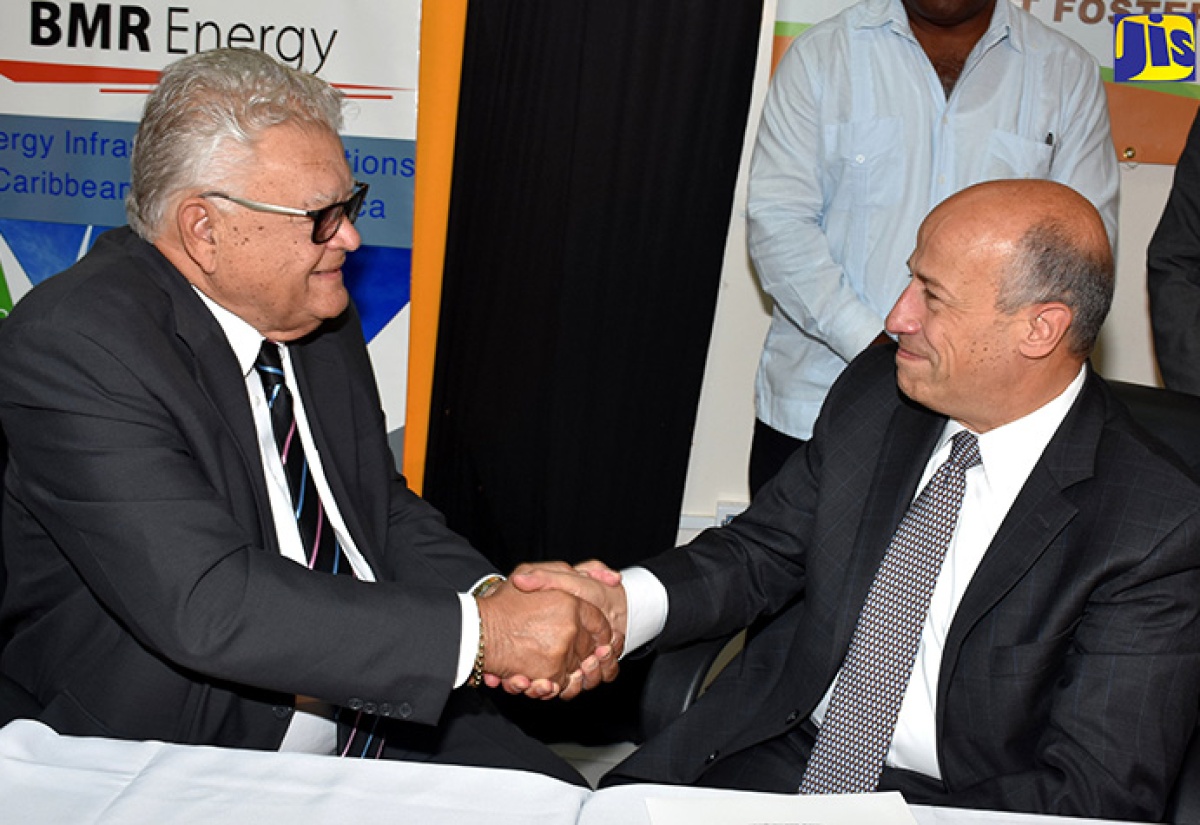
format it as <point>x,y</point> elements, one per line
<point>1154,47</point>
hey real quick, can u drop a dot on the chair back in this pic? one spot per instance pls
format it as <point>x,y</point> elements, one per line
<point>1171,417</point>
<point>1174,419</point>
<point>3,467</point>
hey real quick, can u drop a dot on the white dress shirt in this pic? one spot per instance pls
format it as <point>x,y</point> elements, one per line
<point>312,729</point>
<point>1009,454</point>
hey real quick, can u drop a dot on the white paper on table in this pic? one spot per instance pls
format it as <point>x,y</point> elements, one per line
<point>782,809</point>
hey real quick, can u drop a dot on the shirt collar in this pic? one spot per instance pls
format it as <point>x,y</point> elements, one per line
<point>244,339</point>
<point>1010,452</point>
<point>877,13</point>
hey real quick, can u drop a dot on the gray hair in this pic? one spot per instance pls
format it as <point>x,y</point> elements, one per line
<point>203,119</point>
<point>1053,265</point>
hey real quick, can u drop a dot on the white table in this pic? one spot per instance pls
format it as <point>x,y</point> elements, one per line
<point>625,805</point>
<point>59,780</point>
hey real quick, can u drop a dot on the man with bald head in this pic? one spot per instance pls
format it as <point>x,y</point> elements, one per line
<point>1054,664</point>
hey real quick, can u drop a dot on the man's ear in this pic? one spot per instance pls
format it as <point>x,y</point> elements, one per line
<point>196,218</point>
<point>1047,326</point>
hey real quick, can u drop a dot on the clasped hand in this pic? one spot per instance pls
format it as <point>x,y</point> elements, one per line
<point>554,630</point>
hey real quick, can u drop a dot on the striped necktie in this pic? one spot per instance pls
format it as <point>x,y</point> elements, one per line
<point>857,731</point>
<point>321,548</point>
<point>363,738</point>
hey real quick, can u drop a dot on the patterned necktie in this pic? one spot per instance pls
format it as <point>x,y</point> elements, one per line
<point>857,732</point>
<point>321,548</point>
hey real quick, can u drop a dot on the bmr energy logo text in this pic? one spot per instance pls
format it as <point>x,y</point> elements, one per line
<point>106,27</point>
<point>1154,47</point>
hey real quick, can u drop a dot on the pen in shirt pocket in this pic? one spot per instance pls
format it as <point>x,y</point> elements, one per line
<point>1053,146</point>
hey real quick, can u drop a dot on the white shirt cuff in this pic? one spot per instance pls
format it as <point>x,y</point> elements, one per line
<point>468,645</point>
<point>646,606</point>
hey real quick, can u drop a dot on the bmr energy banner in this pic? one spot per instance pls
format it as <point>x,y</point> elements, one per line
<point>74,77</point>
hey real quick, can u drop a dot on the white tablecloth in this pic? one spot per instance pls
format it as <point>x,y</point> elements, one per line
<point>47,779</point>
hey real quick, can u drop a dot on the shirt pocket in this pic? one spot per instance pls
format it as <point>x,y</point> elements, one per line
<point>864,164</point>
<point>1014,156</point>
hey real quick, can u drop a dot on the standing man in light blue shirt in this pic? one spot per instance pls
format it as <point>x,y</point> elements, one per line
<point>873,117</point>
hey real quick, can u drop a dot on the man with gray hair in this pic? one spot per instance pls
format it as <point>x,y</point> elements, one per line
<point>206,538</point>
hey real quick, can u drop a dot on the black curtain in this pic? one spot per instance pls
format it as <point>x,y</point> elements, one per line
<point>597,151</point>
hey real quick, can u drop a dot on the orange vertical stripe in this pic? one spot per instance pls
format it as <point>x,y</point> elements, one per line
<point>443,24</point>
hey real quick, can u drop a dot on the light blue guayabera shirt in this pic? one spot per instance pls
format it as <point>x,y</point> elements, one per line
<point>858,142</point>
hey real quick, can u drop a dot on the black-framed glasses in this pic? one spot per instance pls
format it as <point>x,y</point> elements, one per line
<point>326,221</point>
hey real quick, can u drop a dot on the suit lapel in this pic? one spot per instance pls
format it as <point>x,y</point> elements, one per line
<point>217,373</point>
<point>1041,512</point>
<point>912,434</point>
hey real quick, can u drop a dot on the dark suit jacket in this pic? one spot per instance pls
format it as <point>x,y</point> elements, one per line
<point>147,597</point>
<point>1071,674</point>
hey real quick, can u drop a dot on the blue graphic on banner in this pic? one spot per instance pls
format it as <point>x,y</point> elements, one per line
<point>70,171</point>
<point>378,278</point>
<point>44,249</point>
<point>388,166</point>
<point>61,178</point>
<point>77,171</point>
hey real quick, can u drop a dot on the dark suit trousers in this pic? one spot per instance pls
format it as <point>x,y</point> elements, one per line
<point>777,766</point>
<point>769,451</point>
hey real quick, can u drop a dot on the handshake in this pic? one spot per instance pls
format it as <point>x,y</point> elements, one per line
<point>553,630</point>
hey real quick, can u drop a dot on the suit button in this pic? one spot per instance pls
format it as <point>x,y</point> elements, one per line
<point>281,711</point>
<point>404,710</point>
<point>371,708</point>
<point>712,757</point>
<point>355,704</point>
<point>385,709</point>
<point>793,716</point>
